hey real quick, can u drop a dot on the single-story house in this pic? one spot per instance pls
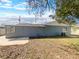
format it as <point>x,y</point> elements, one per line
<point>37,30</point>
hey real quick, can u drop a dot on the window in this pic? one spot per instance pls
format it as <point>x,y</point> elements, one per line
<point>10,29</point>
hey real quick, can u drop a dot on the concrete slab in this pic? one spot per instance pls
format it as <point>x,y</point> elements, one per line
<point>12,41</point>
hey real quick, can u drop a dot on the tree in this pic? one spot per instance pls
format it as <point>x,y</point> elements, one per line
<point>41,6</point>
<point>67,10</point>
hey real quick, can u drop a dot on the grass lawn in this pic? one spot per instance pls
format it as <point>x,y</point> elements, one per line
<point>64,41</point>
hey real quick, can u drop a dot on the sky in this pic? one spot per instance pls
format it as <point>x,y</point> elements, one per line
<point>15,8</point>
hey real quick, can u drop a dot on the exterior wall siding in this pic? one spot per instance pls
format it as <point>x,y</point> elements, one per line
<point>68,33</point>
<point>22,31</point>
<point>53,31</point>
<point>26,32</point>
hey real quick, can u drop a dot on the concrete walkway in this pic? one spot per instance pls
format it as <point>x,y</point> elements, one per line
<point>12,41</point>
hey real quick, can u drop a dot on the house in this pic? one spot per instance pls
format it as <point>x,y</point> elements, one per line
<point>37,30</point>
<point>75,30</point>
<point>60,29</point>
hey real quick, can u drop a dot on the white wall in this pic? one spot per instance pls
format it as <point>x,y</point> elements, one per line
<point>57,30</point>
<point>21,31</point>
<point>26,32</point>
<point>68,33</point>
<point>53,31</point>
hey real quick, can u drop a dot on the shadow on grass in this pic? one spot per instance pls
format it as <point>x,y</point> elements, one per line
<point>41,37</point>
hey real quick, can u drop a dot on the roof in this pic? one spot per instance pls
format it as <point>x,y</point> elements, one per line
<point>55,23</point>
<point>29,25</point>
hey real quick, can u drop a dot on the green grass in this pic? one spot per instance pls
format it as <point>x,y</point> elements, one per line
<point>74,42</point>
<point>66,41</point>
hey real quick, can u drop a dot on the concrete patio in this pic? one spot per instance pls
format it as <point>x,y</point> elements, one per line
<point>12,41</point>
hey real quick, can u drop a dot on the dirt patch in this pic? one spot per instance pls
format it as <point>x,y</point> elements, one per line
<point>37,49</point>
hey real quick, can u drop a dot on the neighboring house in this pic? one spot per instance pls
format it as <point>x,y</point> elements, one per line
<point>75,30</point>
<point>2,30</point>
<point>37,30</point>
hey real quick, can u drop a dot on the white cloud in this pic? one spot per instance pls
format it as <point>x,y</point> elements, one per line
<point>7,1</point>
<point>19,7</point>
<point>8,4</point>
<point>11,14</point>
<point>22,6</point>
<point>23,9</point>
